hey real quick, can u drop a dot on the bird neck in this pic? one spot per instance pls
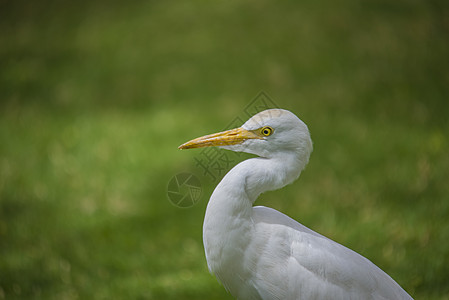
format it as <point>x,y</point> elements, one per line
<point>267,174</point>
<point>228,221</point>
<point>240,188</point>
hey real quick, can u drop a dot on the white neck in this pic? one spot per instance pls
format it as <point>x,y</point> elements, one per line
<point>227,225</point>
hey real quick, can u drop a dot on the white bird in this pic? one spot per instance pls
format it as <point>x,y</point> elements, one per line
<point>260,253</point>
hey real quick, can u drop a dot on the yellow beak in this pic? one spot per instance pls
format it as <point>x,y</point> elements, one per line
<point>224,138</point>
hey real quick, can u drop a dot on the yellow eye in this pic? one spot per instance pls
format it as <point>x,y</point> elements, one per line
<point>266,131</point>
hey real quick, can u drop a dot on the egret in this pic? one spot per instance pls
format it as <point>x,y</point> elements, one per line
<point>260,253</point>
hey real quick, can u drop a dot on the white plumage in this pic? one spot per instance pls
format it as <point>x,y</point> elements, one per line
<point>260,253</point>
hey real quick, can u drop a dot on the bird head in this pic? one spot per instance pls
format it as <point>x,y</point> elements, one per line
<point>268,134</point>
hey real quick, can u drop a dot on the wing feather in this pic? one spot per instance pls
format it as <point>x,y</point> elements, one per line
<point>315,267</point>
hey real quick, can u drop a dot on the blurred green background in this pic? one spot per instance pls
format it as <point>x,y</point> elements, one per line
<point>95,97</point>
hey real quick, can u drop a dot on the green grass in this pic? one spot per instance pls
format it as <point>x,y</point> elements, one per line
<point>95,97</point>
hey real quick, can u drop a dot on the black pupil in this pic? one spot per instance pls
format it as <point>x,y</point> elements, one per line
<point>266,131</point>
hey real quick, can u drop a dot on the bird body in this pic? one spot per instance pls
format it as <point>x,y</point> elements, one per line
<point>260,253</point>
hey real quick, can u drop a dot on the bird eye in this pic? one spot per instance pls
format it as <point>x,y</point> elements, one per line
<point>266,131</point>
